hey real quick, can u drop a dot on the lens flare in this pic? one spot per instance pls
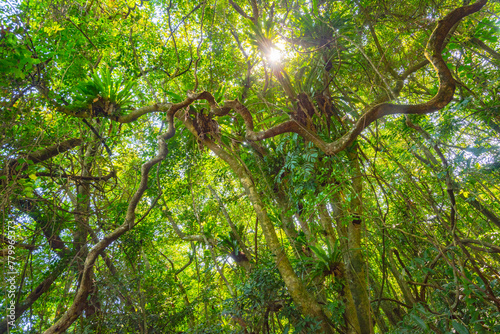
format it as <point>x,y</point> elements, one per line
<point>274,56</point>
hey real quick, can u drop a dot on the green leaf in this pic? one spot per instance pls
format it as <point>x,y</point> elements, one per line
<point>175,97</point>
<point>461,329</point>
<point>275,119</point>
<point>419,321</point>
<point>321,254</point>
<point>315,7</point>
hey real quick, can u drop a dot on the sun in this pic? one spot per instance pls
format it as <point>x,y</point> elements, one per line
<point>277,53</point>
<point>275,56</point>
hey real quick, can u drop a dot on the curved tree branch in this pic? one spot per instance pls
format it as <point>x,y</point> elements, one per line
<point>440,100</point>
<point>79,302</point>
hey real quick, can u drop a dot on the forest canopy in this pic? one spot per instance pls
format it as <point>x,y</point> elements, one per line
<point>248,166</point>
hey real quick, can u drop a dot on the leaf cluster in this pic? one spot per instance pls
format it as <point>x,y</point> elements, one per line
<point>103,90</point>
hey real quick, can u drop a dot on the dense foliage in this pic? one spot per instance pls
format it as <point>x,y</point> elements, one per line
<point>232,166</point>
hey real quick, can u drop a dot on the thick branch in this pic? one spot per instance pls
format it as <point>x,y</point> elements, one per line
<point>487,247</point>
<point>74,177</point>
<point>296,287</point>
<point>52,151</point>
<point>42,154</point>
<point>440,100</point>
<point>484,210</point>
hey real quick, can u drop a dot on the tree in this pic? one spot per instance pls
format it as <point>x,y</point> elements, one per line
<point>323,166</point>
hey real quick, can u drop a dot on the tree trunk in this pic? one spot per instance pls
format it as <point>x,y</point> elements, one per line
<point>307,304</point>
<point>355,264</point>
